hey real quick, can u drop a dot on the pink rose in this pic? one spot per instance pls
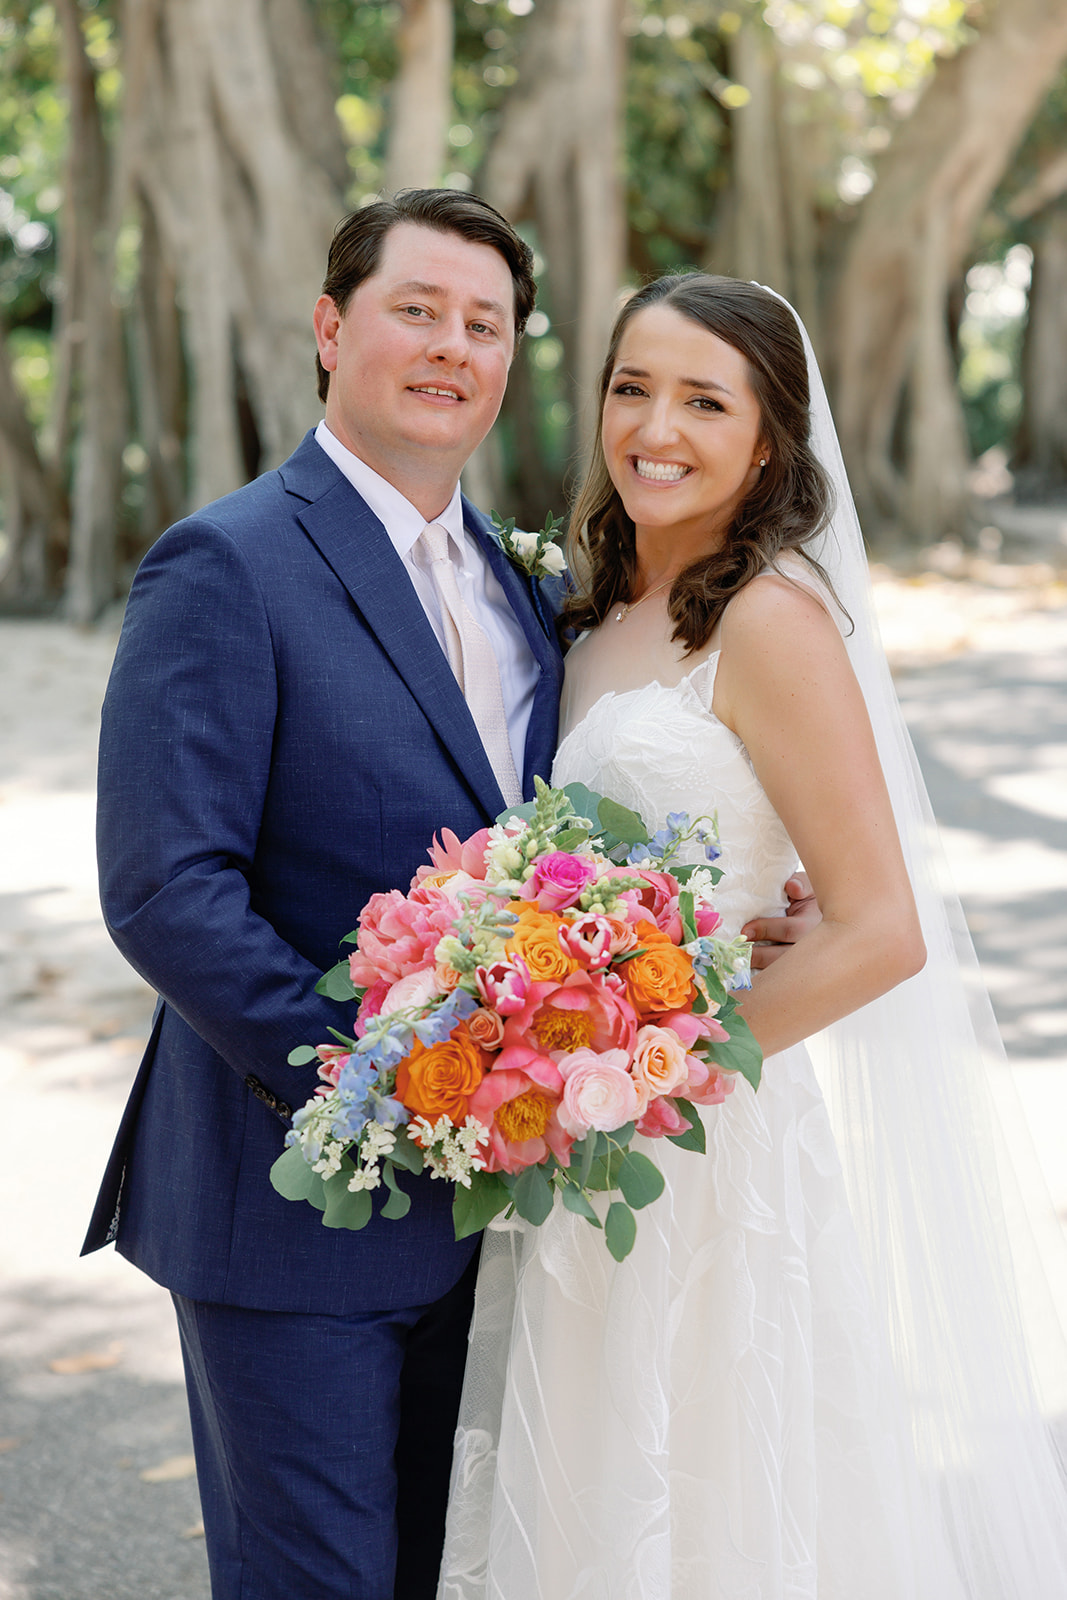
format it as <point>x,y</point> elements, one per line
<point>598,1092</point>
<point>558,880</point>
<point>660,1064</point>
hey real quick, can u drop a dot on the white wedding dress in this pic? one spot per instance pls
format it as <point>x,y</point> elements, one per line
<point>715,1416</point>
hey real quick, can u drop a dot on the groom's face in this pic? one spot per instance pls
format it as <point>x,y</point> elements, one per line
<point>419,360</point>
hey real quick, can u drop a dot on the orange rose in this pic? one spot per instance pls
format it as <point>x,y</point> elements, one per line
<point>535,938</point>
<point>438,1080</point>
<point>661,978</point>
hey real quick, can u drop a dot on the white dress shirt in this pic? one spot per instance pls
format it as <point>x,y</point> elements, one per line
<point>479,585</point>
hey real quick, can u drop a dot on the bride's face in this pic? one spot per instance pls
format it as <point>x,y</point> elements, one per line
<point>681,427</point>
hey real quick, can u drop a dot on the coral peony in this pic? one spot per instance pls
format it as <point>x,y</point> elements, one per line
<point>518,1102</point>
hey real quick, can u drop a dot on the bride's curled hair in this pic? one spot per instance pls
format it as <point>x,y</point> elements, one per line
<point>786,508</point>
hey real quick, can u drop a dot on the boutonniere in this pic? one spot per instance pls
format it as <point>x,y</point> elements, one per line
<point>538,554</point>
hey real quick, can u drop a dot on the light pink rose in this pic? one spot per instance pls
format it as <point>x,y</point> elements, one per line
<point>659,1060</point>
<point>416,989</point>
<point>598,1092</point>
<point>558,880</point>
<point>486,1028</point>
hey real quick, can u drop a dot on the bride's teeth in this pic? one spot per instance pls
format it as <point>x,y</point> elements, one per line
<point>660,471</point>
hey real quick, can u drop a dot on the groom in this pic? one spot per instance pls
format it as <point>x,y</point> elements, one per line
<point>282,735</point>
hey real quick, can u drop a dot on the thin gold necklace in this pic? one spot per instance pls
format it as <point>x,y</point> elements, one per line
<point>631,605</point>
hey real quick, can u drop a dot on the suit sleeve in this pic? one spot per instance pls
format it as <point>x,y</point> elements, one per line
<point>185,756</point>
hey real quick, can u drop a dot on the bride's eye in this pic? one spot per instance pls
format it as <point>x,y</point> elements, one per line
<point>627,389</point>
<point>704,402</point>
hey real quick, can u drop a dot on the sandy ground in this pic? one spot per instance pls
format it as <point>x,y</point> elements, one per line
<point>97,1500</point>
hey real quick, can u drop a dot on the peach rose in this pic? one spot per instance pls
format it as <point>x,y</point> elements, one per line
<point>535,939</point>
<point>486,1028</point>
<point>661,977</point>
<point>438,1080</point>
<point>660,1065</point>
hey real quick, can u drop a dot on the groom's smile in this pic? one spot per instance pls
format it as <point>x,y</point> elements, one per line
<point>419,359</point>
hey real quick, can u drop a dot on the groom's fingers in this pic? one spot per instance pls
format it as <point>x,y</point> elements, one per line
<point>771,936</point>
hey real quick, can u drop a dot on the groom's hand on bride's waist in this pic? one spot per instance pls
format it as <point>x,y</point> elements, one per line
<point>773,935</point>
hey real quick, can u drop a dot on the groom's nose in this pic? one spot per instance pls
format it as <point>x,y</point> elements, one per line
<point>448,339</point>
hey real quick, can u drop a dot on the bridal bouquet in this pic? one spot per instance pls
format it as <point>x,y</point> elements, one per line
<point>545,990</point>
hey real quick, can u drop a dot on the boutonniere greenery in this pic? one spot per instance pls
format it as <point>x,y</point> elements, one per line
<point>539,554</point>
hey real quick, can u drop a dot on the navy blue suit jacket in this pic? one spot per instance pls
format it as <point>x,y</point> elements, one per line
<point>281,738</point>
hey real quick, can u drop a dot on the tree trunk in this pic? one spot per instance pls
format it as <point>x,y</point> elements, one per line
<point>910,242</point>
<point>421,97</point>
<point>759,244</point>
<point>35,516</point>
<point>1041,450</point>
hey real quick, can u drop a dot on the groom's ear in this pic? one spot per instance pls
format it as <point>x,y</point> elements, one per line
<point>327,320</point>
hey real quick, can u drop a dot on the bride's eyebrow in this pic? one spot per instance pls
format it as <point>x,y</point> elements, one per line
<point>708,384</point>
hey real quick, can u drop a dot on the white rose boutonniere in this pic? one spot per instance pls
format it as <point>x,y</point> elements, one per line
<point>538,554</point>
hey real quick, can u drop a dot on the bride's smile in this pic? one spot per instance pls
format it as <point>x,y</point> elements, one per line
<point>681,431</point>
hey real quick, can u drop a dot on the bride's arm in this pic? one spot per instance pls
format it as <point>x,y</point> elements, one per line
<point>786,688</point>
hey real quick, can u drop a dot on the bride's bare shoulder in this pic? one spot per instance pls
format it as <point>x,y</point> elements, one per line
<point>788,602</point>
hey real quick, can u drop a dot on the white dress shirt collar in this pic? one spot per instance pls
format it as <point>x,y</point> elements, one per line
<point>402,522</point>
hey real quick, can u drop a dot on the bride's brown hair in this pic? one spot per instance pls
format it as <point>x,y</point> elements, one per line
<point>788,506</point>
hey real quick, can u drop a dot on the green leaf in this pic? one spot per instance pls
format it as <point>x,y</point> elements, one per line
<point>687,912</point>
<point>533,1195</point>
<point>582,1154</point>
<point>571,838</point>
<point>694,1137</point>
<point>576,1201</point>
<point>621,1136</point>
<point>342,1038</point>
<point>700,1004</point>
<point>406,1153</point>
<point>605,1172</point>
<point>715,987</point>
<point>585,802</point>
<point>622,822</point>
<point>350,938</point>
<point>526,812</point>
<point>302,1055</point>
<point>336,983</point>
<point>293,1178</point>
<point>640,1180</point>
<point>474,1208</point>
<point>398,1204</point>
<point>740,1053</point>
<point>343,1208</point>
<point>620,1230</point>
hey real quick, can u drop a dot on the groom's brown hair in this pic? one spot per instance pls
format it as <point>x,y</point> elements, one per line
<point>356,249</point>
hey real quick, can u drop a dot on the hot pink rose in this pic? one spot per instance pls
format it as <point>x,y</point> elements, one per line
<point>558,880</point>
<point>706,918</point>
<point>598,1092</point>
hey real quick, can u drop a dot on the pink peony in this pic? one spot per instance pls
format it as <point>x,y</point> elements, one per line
<point>450,855</point>
<point>518,1102</point>
<point>558,880</point>
<point>583,1011</point>
<point>657,900</point>
<point>598,1092</point>
<point>399,934</point>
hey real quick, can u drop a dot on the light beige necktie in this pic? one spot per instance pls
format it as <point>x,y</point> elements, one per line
<point>472,659</point>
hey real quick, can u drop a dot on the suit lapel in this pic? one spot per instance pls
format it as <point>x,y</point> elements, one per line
<point>356,546</point>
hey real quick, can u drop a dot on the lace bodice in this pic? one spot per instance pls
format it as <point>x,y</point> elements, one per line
<point>660,749</point>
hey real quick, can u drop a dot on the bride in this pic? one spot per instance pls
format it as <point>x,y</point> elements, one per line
<point>807,1379</point>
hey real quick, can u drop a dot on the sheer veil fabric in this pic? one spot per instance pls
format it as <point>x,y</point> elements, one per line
<point>974,1503</point>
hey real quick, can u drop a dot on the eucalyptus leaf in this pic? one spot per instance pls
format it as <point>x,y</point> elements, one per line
<point>582,1154</point>
<point>302,1055</point>
<point>526,812</point>
<point>584,801</point>
<point>640,1180</point>
<point>474,1208</point>
<point>406,1153</point>
<point>694,1137</point>
<point>621,1136</point>
<point>336,983</point>
<point>624,823</point>
<point>345,1209</point>
<point>398,1204</point>
<point>533,1195</point>
<point>576,1201</point>
<point>293,1178</point>
<point>571,838</point>
<point>620,1230</point>
<point>740,1053</point>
